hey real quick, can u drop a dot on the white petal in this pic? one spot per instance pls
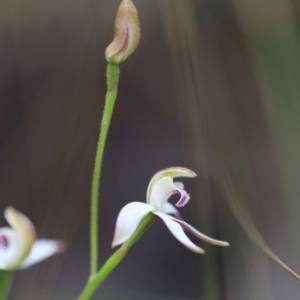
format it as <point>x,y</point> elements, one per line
<point>199,234</point>
<point>162,190</point>
<point>178,232</point>
<point>179,185</point>
<point>171,210</point>
<point>42,249</point>
<point>128,221</point>
<point>172,172</point>
<point>17,241</point>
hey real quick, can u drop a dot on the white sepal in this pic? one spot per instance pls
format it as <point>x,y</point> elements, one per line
<point>178,233</point>
<point>41,250</point>
<point>128,221</point>
<point>199,234</point>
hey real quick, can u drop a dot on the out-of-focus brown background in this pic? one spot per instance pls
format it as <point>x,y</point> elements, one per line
<point>213,86</point>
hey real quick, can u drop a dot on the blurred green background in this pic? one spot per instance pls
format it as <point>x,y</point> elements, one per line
<point>213,86</point>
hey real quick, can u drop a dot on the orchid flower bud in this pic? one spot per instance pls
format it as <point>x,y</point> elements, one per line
<point>127,33</point>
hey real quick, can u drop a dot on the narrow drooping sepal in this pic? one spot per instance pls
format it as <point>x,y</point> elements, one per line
<point>128,220</point>
<point>179,233</point>
<point>200,235</point>
<point>127,33</point>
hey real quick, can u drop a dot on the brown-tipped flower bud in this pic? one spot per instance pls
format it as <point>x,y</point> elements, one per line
<point>127,33</point>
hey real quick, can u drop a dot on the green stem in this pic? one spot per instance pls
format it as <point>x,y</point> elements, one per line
<point>5,278</point>
<point>95,280</point>
<point>111,95</point>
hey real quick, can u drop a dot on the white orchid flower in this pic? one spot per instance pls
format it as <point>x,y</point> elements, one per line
<point>19,248</point>
<point>160,189</point>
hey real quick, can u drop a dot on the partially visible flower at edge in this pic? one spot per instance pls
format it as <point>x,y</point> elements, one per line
<point>19,248</point>
<point>127,33</point>
<point>160,189</point>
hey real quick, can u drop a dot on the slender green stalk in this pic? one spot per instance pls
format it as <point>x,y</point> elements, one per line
<point>111,95</point>
<point>5,278</point>
<point>95,280</point>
